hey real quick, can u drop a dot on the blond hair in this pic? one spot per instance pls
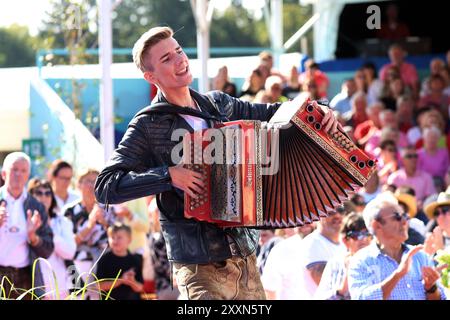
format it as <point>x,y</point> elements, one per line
<point>83,174</point>
<point>146,42</point>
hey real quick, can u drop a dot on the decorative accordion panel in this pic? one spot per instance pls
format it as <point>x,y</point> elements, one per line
<point>277,174</point>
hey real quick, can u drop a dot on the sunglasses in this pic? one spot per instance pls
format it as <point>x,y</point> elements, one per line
<point>64,178</point>
<point>411,156</point>
<point>399,216</point>
<point>40,193</point>
<point>441,211</point>
<point>358,235</point>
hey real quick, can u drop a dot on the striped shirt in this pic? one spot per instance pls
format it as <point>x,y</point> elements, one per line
<point>370,267</point>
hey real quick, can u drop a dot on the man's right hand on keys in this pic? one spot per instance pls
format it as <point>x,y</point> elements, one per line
<point>187,180</point>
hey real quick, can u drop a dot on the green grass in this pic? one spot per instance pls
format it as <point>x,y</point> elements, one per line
<point>78,294</point>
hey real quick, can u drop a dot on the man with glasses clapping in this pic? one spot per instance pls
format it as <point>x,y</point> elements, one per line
<point>389,269</point>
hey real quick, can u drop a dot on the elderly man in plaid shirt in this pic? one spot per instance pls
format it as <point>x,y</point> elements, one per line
<point>387,268</point>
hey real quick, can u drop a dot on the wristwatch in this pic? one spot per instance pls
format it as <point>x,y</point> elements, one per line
<point>432,289</point>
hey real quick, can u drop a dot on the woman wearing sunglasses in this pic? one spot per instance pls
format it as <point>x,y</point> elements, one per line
<point>439,213</point>
<point>355,236</point>
<point>63,239</point>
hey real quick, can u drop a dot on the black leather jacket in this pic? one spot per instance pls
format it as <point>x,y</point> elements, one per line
<point>139,167</point>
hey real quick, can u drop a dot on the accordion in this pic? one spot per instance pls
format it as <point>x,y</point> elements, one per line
<point>277,174</point>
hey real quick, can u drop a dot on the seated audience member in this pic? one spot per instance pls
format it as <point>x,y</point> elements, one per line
<point>436,66</point>
<point>417,229</point>
<point>408,72</point>
<point>223,83</point>
<point>437,97</point>
<point>60,176</point>
<point>387,160</point>
<point>358,113</point>
<point>393,90</point>
<point>56,276</point>
<point>360,81</point>
<point>311,88</point>
<point>272,91</point>
<point>405,113</point>
<point>388,269</point>
<point>341,101</point>
<point>252,85</point>
<point>439,211</point>
<point>119,263</point>
<point>374,85</point>
<point>413,207</point>
<point>425,119</point>
<point>292,88</point>
<point>313,73</point>
<point>367,129</point>
<point>358,202</point>
<point>266,60</point>
<point>388,131</point>
<point>432,159</point>
<point>410,175</point>
<point>355,236</point>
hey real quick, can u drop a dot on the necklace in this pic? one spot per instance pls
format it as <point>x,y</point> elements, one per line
<point>196,105</point>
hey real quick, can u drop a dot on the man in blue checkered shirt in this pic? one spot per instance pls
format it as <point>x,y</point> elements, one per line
<point>388,269</point>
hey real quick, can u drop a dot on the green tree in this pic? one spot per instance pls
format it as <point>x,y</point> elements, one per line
<point>237,27</point>
<point>134,17</point>
<point>70,24</point>
<point>18,48</point>
<point>294,17</point>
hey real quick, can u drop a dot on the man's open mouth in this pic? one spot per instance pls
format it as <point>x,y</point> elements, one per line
<point>182,72</point>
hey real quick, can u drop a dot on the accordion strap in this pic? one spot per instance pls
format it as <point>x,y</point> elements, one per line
<point>165,107</point>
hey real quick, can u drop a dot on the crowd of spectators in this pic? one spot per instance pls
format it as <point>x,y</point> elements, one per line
<point>399,215</point>
<point>363,250</point>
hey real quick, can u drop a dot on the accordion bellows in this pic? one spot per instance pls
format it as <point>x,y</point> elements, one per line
<point>277,174</point>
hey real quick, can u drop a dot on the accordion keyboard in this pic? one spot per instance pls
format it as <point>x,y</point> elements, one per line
<point>201,203</point>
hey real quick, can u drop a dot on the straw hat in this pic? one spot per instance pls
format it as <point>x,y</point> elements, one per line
<point>410,201</point>
<point>442,200</point>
